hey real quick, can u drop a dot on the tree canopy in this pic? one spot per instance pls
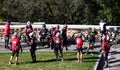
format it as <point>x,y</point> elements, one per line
<point>61,11</point>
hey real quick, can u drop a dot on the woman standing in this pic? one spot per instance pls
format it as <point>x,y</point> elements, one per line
<point>15,45</point>
<point>79,43</point>
<point>58,46</point>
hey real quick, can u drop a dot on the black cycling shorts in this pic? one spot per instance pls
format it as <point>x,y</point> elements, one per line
<point>80,49</point>
<point>92,41</point>
<point>15,53</point>
<point>57,47</point>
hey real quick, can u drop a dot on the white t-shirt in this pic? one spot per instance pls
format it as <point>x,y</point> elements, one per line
<point>102,25</point>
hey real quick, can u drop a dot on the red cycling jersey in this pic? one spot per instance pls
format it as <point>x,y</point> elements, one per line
<point>57,40</point>
<point>79,42</point>
<point>7,29</point>
<point>55,32</point>
<point>14,43</point>
<point>106,46</point>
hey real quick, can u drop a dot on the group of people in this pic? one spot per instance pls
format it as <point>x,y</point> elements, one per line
<point>106,40</point>
<point>56,39</point>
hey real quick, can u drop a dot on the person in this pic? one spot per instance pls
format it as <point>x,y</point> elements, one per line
<point>43,35</point>
<point>103,24</point>
<point>15,46</point>
<point>51,37</point>
<point>32,45</point>
<point>64,36</point>
<point>79,43</point>
<point>28,30</point>
<point>86,35</point>
<point>106,49</point>
<point>56,30</point>
<point>118,39</point>
<point>91,39</point>
<point>7,33</point>
<point>58,46</point>
<point>19,34</point>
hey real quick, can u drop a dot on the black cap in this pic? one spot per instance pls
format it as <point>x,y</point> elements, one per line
<point>44,25</point>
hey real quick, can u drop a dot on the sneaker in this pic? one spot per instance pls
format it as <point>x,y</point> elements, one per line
<point>10,62</point>
<point>16,63</point>
<point>66,49</point>
<point>32,62</point>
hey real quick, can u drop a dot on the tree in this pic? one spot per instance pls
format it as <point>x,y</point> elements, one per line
<point>61,11</point>
<point>110,10</point>
<point>2,13</point>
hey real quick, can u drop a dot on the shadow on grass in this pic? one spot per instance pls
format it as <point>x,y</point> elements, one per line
<point>89,59</point>
<point>71,59</point>
<point>95,53</point>
<point>39,61</point>
<point>86,59</point>
<point>51,60</point>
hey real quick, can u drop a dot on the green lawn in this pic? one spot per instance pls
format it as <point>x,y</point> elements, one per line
<point>47,61</point>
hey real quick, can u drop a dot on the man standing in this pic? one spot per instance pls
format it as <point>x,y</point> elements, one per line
<point>91,39</point>
<point>103,24</point>
<point>64,36</point>
<point>58,46</point>
<point>43,34</point>
<point>7,33</point>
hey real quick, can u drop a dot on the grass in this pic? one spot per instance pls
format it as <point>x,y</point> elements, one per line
<point>47,61</point>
